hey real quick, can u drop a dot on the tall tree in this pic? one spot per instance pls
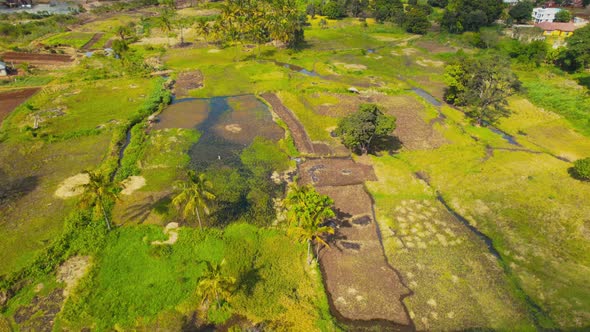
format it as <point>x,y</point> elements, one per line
<point>194,195</point>
<point>482,85</point>
<point>389,10</point>
<point>359,130</point>
<point>470,15</point>
<point>576,55</point>
<point>97,193</point>
<point>416,19</point>
<point>307,211</point>
<point>522,11</point>
<point>213,285</point>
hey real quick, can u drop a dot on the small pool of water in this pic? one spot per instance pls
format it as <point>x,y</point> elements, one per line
<point>227,125</point>
<point>298,69</point>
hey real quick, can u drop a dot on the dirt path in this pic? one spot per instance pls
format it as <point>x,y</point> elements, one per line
<point>364,291</point>
<point>302,141</point>
<point>11,99</point>
<point>92,41</point>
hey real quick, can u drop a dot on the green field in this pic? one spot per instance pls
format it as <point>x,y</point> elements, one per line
<point>486,233</point>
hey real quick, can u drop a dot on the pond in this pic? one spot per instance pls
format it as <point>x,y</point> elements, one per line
<point>227,125</point>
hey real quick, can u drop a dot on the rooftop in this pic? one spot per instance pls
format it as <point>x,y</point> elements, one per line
<point>552,26</point>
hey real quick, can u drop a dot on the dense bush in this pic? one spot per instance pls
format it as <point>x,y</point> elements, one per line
<point>582,169</point>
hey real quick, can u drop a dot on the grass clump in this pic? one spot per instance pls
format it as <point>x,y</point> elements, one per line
<point>582,169</point>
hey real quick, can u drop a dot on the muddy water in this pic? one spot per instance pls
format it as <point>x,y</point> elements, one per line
<point>227,125</point>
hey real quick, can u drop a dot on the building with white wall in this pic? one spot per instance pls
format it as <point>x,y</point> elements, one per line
<point>545,14</point>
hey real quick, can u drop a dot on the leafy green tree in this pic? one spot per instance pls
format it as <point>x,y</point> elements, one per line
<point>203,29</point>
<point>522,11</point>
<point>359,130</point>
<point>214,286</point>
<point>194,195</point>
<point>416,20</point>
<point>576,55</point>
<point>98,192</point>
<point>334,9</point>
<point>483,85</point>
<point>166,21</point>
<point>582,169</point>
<point>470,15</point>
<point>307,211</point>
<point>563,15</point>
<point>389,10</point>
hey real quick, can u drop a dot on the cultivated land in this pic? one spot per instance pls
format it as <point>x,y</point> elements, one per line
<point>450,226</point>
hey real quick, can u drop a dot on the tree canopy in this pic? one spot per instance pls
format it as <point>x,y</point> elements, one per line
<point>522,11</point>
<point>582,169</point>
<point>482,85</point>
<point>359,130</point>
<point>576,55</point>
<point>563,16</point>
<point>470,15</point>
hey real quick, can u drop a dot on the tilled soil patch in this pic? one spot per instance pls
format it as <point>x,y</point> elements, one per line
<point>37,58</point>
<point>187,81</point>
<point>335,172</point>
<point>92,41</point>
<point>40,314</point>
<point>364,289</point>
<point>11,99</point>
<point>302,141</point>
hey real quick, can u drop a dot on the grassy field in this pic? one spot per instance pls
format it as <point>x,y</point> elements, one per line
<point>273,284</point>
<point>520,196</point>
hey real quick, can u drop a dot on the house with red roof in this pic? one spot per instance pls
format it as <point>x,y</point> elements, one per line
<point>557,28</point>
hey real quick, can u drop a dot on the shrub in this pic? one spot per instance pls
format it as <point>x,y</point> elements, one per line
<point>582,169</point>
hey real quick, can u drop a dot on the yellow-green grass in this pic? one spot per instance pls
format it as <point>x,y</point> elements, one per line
<point>153,287</point>
<point>544,129</point>
<point>318,127</point>
<point>532,209</point>
<point>73,39</point>
<point>86,106</point>
<point>456,283</point>
<point>109,24</point>
<point>32,221</point>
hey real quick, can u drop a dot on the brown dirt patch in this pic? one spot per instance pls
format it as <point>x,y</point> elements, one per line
<point>72,186</point>
<point>37,58</point>
<point>92,41</point>
<point>302,141</point>
<point>335,172</point>
<point>40,314</point>
<point>186,81</point>
<point>434,47</point>
<point>11,99</point>
<point>71,271</point>
<point>361,284</point>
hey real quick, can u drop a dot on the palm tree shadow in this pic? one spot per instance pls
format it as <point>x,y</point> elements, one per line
<point>248,280</point>
<point>141,211</point>
<point>11,190</point>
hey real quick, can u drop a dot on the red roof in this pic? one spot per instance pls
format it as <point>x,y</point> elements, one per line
<point>549,26</point>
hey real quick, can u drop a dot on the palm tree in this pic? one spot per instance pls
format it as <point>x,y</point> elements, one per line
<point>213,285</point>
<point>307,211</point>
<point>97,192</point>
<point>193,195</point>
<point>203,29</point>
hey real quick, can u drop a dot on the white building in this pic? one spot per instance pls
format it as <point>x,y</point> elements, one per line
<point>545,14</point>
<point>511,2</point>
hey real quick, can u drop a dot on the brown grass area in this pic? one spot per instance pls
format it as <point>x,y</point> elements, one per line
<point>187,81</point>
<point>335,172</point>
<point>362,286</point>
<point>434,47</point>
<point>37,58</point>
<point>11,99</point>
